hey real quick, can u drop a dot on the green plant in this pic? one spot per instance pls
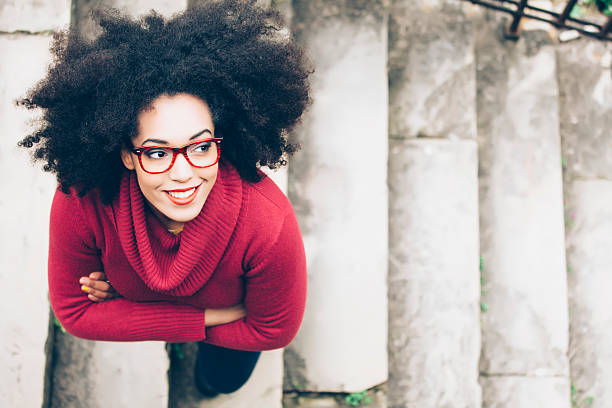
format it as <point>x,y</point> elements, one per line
<point>584,403</point>
<point>356,399</point>
<point>604,6</point>
<point>483,282</point>
<point>176,349</point>
<point>58,324</point>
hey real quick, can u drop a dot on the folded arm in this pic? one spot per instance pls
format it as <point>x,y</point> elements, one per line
<point>275,296</point>
<point>73,255</point>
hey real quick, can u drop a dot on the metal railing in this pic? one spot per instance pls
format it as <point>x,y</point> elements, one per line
<point>520,9</point>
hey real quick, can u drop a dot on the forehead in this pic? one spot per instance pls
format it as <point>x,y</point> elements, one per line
<point>174,119</point>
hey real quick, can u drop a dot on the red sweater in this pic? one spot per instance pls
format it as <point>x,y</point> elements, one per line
<point>244,246</point>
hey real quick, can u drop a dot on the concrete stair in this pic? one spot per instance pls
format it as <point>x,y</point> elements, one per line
<point>454,192</point>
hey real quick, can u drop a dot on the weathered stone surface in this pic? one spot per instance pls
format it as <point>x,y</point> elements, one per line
<point>525,330</point>
<point>589,258</point>
<point>585,103</point>
<point>83,8</point>
<point>260,3</point>
<point>377,399</point>
<point>279,176</point>
<point>365,12</point>
<point>34,15</point>
<point>69,381</point>
<point>263,389</point>
<point>431,70</point>
<point>24,234</point>
<point>99,374</point>
<point>337,184</point>
<point>520,392</point>
<point>434,291</point>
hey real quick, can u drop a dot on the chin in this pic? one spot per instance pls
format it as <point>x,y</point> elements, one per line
<point>185,215</point>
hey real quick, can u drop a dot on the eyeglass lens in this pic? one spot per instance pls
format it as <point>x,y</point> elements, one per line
<point>159,159</point>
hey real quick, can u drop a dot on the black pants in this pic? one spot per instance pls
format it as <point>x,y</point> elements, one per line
<point>222,370</point>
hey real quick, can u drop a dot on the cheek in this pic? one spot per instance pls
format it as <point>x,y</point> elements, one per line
<point>148,183</point>
<point>209,173</point>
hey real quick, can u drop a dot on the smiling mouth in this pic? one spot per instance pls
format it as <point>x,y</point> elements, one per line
<point>182,196</point>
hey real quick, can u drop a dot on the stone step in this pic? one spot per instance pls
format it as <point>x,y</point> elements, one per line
<point>337,185</point>
<point>509,391</point>
<point>87,27</point>
<point>96,373</point>
<point>25,219</point>
<point>434,328</point>
<point>525,326</point>
<point>434,291</point>
<point>585,102</point>
<point>34,16</point>
<point>263,389</point>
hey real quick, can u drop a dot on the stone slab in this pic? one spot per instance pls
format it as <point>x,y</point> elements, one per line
<point>522,392</point>
<point>589,279</point>
<point>431,70</point>
<point>34,15</point>
<point>24,216</point>
<point>434,290</point>
<point>585,103</point>
<point>83,8</point>
<point>280,176</point>
<point>263,389</point>
<point>525,330</point>
<point>337,184</point>
<point>377,399</point>
<point>69,379</point>
<point>95,374</point>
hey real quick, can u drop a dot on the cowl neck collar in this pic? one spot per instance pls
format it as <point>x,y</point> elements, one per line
<point>177,265</point>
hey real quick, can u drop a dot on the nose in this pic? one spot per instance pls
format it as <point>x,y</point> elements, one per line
<point>181,171</point>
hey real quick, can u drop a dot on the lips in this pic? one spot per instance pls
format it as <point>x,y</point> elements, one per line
<point>182,196</point>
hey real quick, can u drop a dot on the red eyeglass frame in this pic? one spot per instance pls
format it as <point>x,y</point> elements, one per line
<point>175,151</point>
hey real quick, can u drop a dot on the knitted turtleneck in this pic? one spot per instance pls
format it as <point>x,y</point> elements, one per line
<point>177,265</point>
<point>244,247</point>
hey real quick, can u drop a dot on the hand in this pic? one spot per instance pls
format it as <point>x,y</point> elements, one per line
<point>96,286</point>
<point>214,317</point>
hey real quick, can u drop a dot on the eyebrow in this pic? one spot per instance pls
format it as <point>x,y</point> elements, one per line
<point>160,141</point>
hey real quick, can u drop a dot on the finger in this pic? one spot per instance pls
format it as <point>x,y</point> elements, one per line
<point>97,276</point>
<point>95,299</point>
<point>96,284</point>
<point>97,293</point>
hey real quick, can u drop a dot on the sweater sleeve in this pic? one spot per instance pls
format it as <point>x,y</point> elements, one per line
<point>275,296</point>
<point>72,255</point>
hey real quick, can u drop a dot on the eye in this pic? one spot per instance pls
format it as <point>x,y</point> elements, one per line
<point>201,147</point>
<point>155,153</point>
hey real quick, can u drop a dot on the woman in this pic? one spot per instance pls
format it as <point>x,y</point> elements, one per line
<point>155,131</point>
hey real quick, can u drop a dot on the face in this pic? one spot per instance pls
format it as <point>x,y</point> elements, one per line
<point>177,195</point>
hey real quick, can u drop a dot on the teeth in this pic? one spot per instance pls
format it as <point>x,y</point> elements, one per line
<point>181,194</point>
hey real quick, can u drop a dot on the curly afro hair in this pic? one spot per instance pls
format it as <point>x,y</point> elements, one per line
<point>230,53</point>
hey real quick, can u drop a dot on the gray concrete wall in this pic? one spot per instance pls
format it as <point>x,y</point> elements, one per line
<point>585,84</point>
<point>337,185</point>
<point>525,326</point>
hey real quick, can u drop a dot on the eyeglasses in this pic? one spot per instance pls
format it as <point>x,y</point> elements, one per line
<point>159,159</point>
